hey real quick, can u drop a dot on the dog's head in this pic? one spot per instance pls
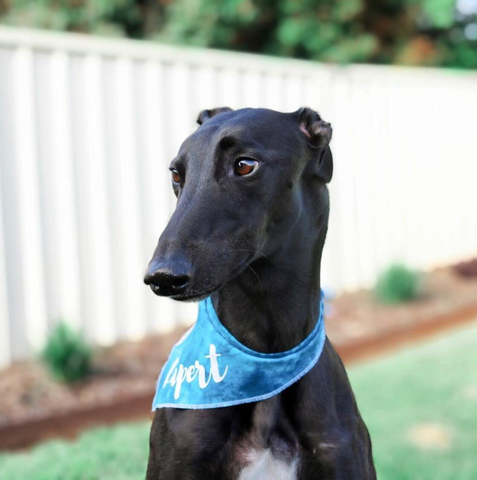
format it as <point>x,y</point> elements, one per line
<point>246,182</point>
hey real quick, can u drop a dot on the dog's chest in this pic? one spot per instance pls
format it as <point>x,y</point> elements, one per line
<point>264,465</point>
<point>270,450</point>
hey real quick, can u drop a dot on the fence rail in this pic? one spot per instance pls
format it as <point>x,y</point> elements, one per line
<point>88,126</point>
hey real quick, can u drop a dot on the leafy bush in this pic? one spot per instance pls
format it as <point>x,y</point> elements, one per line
<point>67,354</point>
<point>108,17</point>
<point>397,284</point>
<point>410,32</point>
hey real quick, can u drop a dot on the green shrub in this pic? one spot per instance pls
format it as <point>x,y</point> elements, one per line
<point>67,354</point>
<point>397,284</point>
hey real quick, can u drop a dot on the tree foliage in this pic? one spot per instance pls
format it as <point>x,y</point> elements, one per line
<point>108,17</point>
<point>410,32</point>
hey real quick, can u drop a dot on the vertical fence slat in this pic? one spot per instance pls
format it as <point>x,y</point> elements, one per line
<point>228,89</point>
<point>122,176</point>
<point>6,282</point>
<point>251,90</point>
<point>204,89</point>
<point>318,92</point>
<point>27,187</point>
<point>273,86</point>
<point>5,350</point>
<point>62,156</point>
<point>294,93</point>
<point>61,250</point>
<point>97,300</point>
<point>179,108</point>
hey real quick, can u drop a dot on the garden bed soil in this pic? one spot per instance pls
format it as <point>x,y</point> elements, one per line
<point>33,406</point>
<point>360,327</point>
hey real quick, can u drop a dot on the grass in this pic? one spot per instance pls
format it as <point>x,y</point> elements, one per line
<point>420,407</point>
<point>114,453</point>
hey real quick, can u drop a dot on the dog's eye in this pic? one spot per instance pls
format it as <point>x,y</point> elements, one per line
<point>176,178</point>
<point>245,166</point>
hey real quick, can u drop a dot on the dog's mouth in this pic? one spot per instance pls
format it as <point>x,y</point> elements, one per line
<point>196,295</point>
<point>186,296</point>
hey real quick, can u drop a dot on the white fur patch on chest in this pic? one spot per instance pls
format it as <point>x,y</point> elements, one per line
<point>262,465</point>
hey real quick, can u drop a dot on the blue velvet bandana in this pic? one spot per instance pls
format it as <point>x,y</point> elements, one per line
<point>210,368</point>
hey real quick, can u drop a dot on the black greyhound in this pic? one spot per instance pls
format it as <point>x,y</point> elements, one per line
<point>249,230</point>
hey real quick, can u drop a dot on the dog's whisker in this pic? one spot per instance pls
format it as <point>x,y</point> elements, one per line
<point>258,278</point>
<point>253,251</point>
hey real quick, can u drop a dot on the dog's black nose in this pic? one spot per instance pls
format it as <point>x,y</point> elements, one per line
<point>168,278</point>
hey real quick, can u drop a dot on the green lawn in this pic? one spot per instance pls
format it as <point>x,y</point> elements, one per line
<point>115,453</point>
<point>420,407</point>
<point>421,410</point>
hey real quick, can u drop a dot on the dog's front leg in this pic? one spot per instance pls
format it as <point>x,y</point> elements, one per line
<point>165,461</point>
<point>154,462</point>
<point>340,455</point>
<point>191,445</point>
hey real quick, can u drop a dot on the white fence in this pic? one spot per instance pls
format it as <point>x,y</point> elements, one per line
<point>88,127</point>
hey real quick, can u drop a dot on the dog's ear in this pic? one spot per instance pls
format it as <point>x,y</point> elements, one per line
<point>316,130</point>
<point>208,114</point>
<point>318,136</point>
<point>325,166</point>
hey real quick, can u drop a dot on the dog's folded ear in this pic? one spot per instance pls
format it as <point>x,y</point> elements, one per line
<point>208,114</point>
<point>325,166</point>
<point>318,135</point>
<point>316,130</point>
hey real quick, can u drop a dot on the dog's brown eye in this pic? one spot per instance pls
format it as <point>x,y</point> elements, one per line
<point>176,178</point>
<point>245,166</point>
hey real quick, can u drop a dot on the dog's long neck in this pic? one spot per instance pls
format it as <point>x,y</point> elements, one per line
<point>274,304</point>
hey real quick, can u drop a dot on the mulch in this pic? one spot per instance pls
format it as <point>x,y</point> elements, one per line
<point>125,370</point>
<point>34,406</point>
<point>360,327</point>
